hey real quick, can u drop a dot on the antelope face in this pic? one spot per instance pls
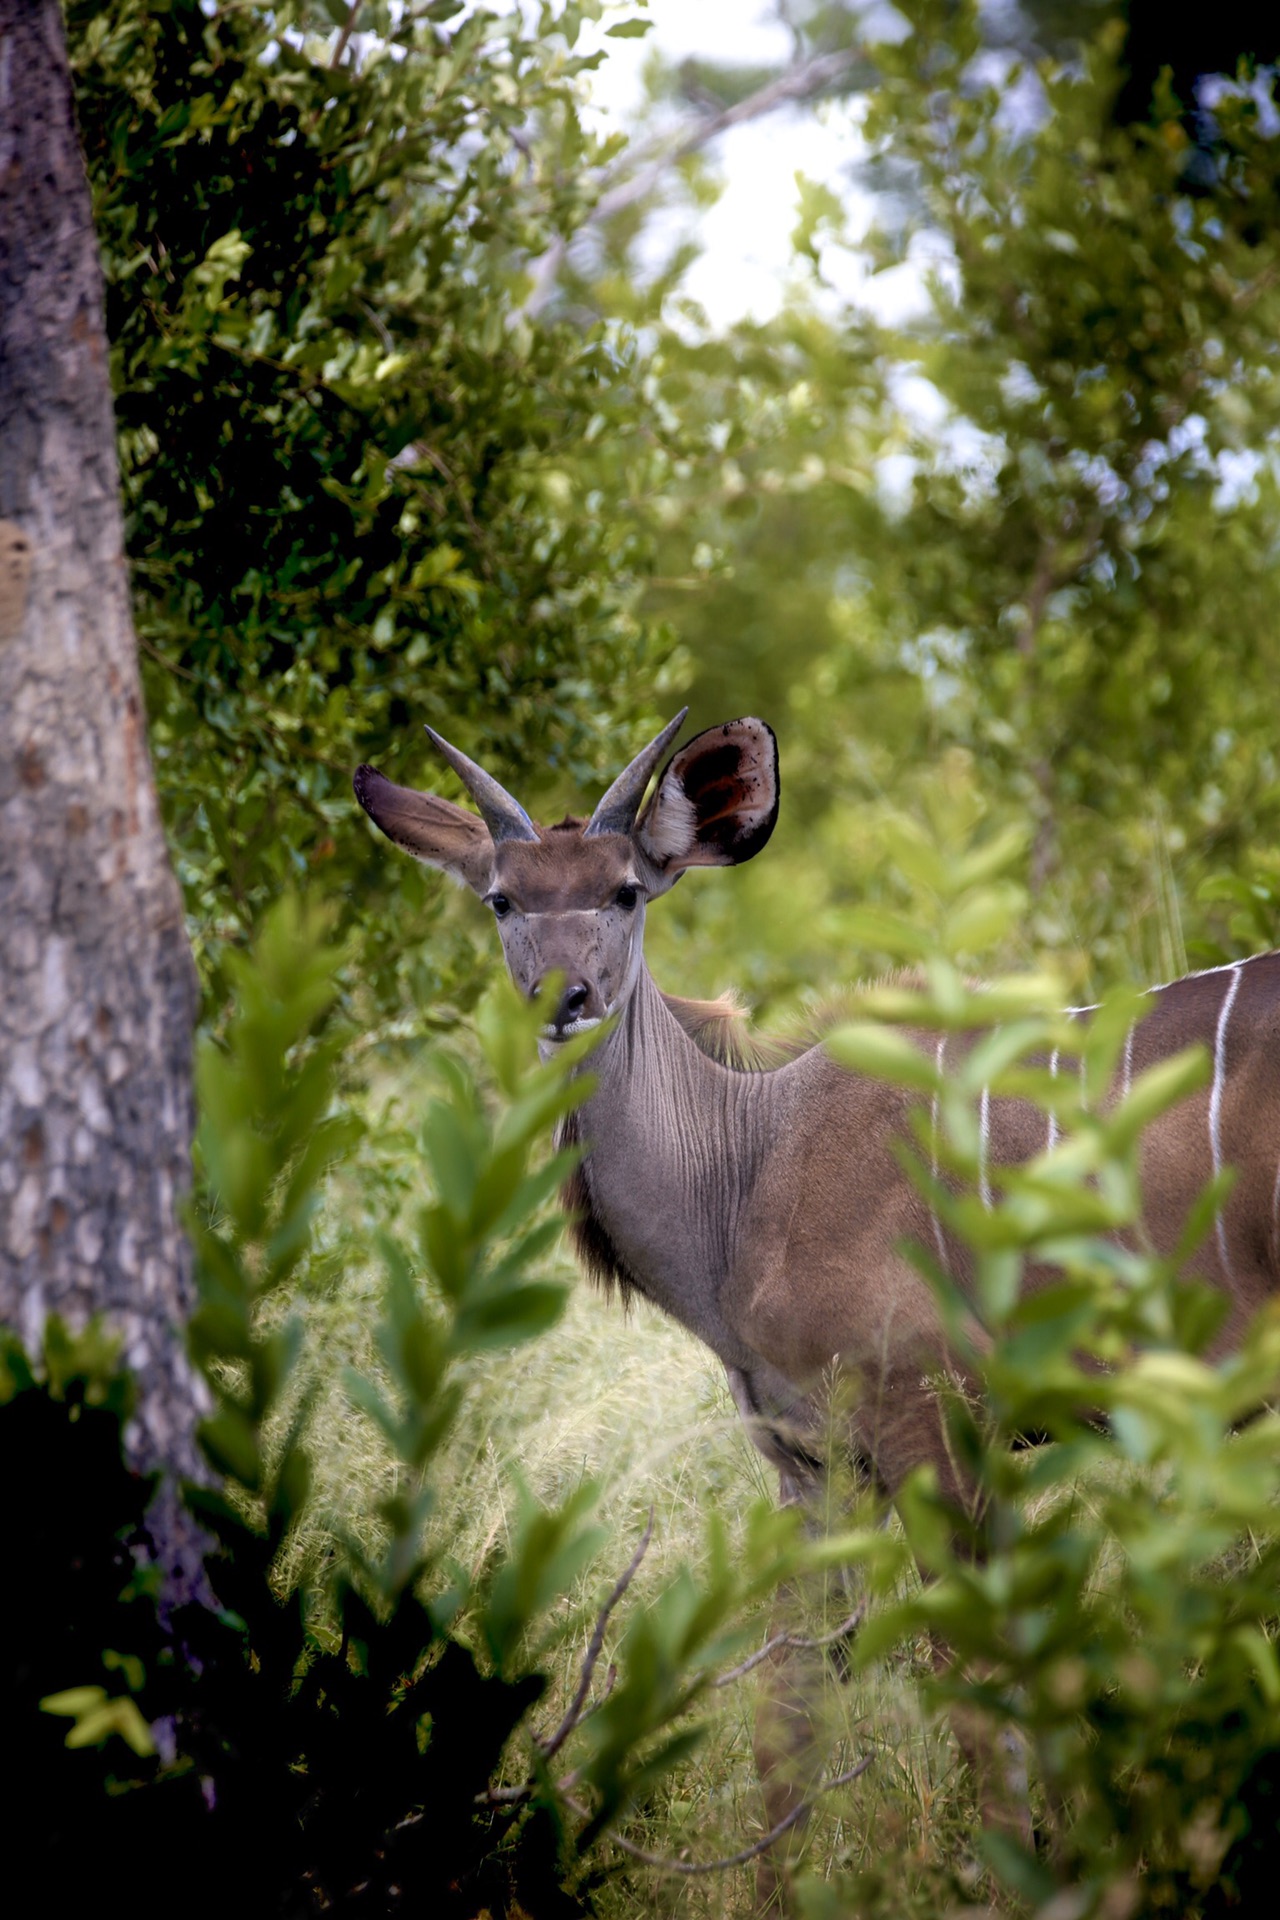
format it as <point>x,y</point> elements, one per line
<point>569,900</point>
<point>571,907</point>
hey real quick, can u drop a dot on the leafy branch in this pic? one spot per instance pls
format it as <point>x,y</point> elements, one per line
<point>636,175</point>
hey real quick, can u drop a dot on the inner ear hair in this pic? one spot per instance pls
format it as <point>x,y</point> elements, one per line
<point>670,823</point>
<point>717,802</point>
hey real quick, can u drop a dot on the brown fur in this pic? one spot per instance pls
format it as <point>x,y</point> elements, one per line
<point>563,870</point>
<point>429,828</point>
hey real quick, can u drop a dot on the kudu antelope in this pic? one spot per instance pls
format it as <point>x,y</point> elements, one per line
<point>765,1210</point>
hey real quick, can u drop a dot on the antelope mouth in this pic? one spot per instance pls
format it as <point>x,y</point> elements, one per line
<point>572,1028</point>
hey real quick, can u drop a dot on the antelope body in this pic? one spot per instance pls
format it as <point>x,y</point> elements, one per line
<point>764,1210</point>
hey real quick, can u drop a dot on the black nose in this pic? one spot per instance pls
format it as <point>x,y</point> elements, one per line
<point>572,1001</point>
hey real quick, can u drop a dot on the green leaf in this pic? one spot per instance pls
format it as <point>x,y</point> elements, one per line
<point>534,1191</point>
<point>454,1162</point>
<point>1019,1869</point>
<point>73,1701</point>
<point>231,1443</point>
<point>983,918</point>
<point>1156,1090</point>
<point>97,1718</point>
<point>879,931</point>
<point>883,1055</point>
<point>548,1551</point>
<point>520,1313</point>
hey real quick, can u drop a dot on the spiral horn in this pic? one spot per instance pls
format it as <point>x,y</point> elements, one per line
<point>505,818</point>
<point>617,809</point>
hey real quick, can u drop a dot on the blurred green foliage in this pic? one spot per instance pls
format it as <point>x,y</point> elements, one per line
<point>1035,519</point>
<point>1121,1616</point>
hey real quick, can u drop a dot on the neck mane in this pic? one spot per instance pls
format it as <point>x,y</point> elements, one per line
<point>718,1032</point>
<point>721,1029</point>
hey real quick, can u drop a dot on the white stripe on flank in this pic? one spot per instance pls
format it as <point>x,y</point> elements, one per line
<point>1053,1118</point>
<point>933,1211</point>
<point>1215,1096</point>
<point>1074,1012</point>
<point>1128,1063</point>
<point>984,1185</point>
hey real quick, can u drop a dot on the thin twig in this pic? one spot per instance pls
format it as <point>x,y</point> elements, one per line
<point>610,1682</point>
<point>798,83</point>
<point>379,326</point>
<point>800,1641</point>
<point>553,1742</point>
<point>348,27</point>
<point>748,1853</point>
<point>162,659</point>
<point>504,1796</point>
<point>1245,296</point>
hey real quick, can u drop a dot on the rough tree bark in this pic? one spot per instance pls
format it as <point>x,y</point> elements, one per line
<point>97,985</point>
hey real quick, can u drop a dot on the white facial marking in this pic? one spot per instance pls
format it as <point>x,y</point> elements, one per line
<point>573,1027</point>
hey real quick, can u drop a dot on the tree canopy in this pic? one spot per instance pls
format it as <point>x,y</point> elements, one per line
<point>373,480</point>
<point>1036,523</point>
<point>344,452</point>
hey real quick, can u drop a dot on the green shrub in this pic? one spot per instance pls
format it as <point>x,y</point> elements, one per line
<point>1121,1616</point>
<point>366,1742</point>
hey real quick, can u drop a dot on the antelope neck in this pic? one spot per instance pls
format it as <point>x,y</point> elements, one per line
<point>675,1144</point>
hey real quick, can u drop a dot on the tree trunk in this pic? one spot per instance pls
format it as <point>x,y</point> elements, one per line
<point>97,986</point>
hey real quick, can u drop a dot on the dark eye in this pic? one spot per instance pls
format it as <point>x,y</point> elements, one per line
<point>500,904</point>
<point>627,897</point>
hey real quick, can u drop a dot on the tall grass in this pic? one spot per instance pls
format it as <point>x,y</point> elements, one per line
<point>630,1402</point>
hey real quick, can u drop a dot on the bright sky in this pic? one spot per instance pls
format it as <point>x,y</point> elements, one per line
<point>747,254</point>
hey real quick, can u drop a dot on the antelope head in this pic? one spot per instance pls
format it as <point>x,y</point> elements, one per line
<point>570,899</point>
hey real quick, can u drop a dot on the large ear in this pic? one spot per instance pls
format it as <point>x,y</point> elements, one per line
<point>432,830</point>
<point>716,804</point>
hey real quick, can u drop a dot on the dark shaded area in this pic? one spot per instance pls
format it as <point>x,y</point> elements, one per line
<point>1247,1882</point>
<point>298,1778</point>
<point>1190,42</point>
<point>592,1243</point>
<point>1188,45</point>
